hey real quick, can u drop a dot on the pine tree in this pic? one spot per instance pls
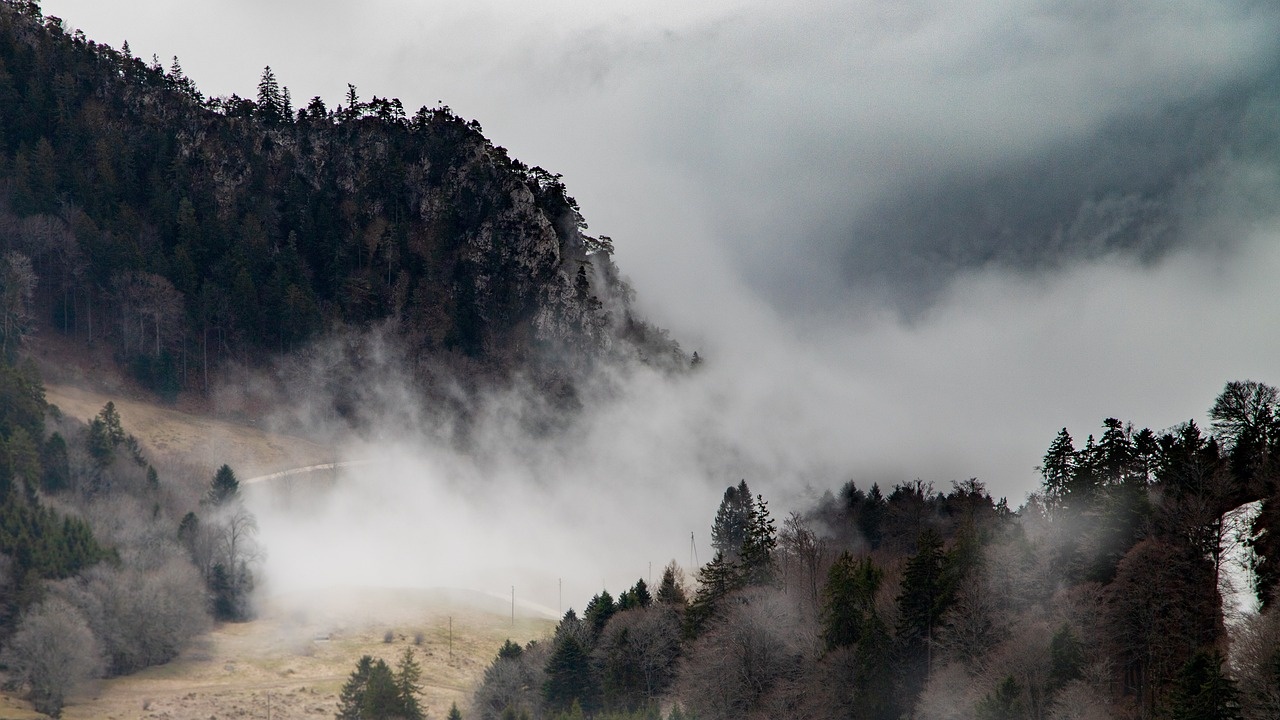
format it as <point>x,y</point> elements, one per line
<point>1115,452</point>
<point>374,692</point>
<point>270,101</point>
<point>599,609</point>
<point>733,518</point>
<point>872,517</point>
<point>408,686</point>
<point>1066,658</point>
<point>922,601</point>
<point>1202,691</point>
<point>105,434</point>
<point>351,698</point>
<point>569,677</point>
<point>225,488</point>
<point>848,600</point>
<point>716,580</point>
<point>757,561</point>
<point>669,591</point>
<point>1005,703</point>
<point>381,695</point>
<point>454,713</point>
<point>641,594</point>
<point>1057,469</point>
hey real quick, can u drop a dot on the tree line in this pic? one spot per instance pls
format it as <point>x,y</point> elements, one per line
<point>1102,596</point>
<point>122,575</point>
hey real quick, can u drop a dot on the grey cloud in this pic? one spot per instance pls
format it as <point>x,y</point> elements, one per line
<point>1073,202</point>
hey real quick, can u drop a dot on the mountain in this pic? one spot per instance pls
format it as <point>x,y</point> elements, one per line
<point>190,233</point>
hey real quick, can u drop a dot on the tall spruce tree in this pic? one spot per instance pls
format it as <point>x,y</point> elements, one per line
<point>733,521</point>
<point>757,557</point>
<point>1202,691</point>
<point>1057,469</point>
<point>922,601</point>
<point>271,106</point>
<point>569,677</point>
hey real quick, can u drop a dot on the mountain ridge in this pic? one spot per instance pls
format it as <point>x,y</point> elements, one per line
<point>191,234</point>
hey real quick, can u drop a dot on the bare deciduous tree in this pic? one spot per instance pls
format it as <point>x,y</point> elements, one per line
<point>512,682</point>
<point>17,287</point>
<point>52,652</point>
<point>1255,662</point>
<point>757,648</point>
<point>646,640</point>
<point>805,556</point>
<point>151,312</point>
<point>143,613</point>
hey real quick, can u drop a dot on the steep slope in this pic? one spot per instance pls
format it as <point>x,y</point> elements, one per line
<point>191,232</point>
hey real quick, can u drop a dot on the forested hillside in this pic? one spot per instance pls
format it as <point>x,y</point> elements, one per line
<point>188,232</point>
<point>1103,596</point>
<point>110,560</point>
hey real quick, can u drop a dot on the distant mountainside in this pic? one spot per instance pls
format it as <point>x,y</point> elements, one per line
<point>189,232</point>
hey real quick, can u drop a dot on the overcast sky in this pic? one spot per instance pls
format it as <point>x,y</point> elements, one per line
<point>913,239</point>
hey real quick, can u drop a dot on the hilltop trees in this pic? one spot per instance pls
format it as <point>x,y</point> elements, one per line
<point>1100,597</point>
<point>210,231</point>
<point>745,539</point>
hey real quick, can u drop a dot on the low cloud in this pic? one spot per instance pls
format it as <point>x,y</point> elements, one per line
<point>910,239</point>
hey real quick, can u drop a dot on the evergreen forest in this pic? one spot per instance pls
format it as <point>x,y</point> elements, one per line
<point>1112,592</point>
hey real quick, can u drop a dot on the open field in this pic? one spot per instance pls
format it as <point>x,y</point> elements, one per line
<point>296,657</point>
<point>292,661</point>
<point>173,432</point>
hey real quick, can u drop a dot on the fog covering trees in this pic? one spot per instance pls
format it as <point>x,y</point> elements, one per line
<point>192,234</point>
<point>52,652</point>
<point>1101,597</point>
<point>108,564</point>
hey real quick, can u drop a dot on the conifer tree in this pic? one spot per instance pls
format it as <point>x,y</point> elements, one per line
<point>225,488</point>
<point>1202,691</point>
<point>921,603</point>
<point>270,101</point>
<point>599,609</point>
<point>669,591</point>
<point>871,520</point>
<point>408,686</point>
<point>1066,658</point>
<point>716,580</point>
<point>1057,469</point>
<point>640,591</point>
<point>351,697</point>
<point>733,518</point>
<point>848,600</point>
<point>570,678</point>
<point>510,650</point>
<point>757,557</point>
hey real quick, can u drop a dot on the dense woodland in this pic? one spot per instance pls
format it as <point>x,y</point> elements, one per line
<point>107,564</point>
<point>189,232</point>
<point>1103,596</point>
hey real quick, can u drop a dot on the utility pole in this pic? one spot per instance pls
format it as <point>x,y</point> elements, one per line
<point>513,606</point>
<point>450,638</point>
<point>560,582</point>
